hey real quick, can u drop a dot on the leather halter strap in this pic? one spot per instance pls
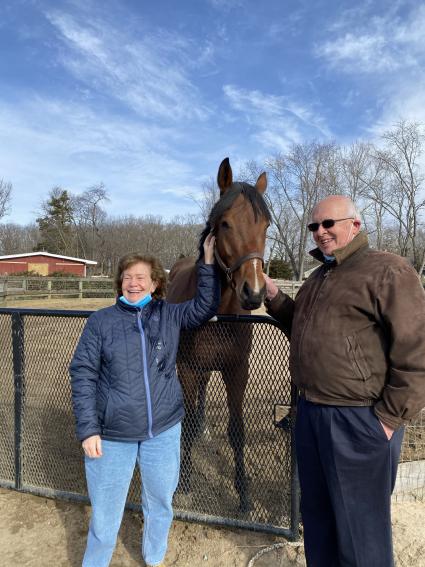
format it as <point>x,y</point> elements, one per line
<point>229,270</point>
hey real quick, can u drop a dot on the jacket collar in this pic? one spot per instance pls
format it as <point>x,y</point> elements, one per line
<point>341,254</point>
<point>131,309</point>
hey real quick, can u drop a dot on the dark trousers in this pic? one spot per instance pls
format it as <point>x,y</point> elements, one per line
<point>347,470</point>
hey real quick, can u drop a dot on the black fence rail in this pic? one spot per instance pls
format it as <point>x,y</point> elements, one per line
<point>39,452</point>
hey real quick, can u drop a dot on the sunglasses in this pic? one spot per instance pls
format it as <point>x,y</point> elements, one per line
<point>327,223</point>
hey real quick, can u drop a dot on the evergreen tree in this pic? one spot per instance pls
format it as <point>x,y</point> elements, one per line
<point>279,269</point>
<point>55,226</point>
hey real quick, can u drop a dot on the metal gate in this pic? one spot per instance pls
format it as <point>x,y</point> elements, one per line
<point>39,452</point>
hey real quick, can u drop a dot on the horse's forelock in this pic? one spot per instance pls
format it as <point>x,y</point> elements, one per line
<point>249,192</point>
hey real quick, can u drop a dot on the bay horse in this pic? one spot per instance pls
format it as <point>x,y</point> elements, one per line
<point>239,221</point>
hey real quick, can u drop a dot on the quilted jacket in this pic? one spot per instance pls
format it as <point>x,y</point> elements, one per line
<point>123,373</point>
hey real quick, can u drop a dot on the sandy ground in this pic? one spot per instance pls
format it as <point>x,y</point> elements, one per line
<point>40,532</point>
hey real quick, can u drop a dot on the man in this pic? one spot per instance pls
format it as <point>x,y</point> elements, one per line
<point>357,332</point>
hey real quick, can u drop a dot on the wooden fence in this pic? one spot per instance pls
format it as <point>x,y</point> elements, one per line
<point>289,287</point>
<point>15,287</point>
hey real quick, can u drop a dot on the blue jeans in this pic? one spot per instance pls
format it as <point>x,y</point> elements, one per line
<point>108,481</point>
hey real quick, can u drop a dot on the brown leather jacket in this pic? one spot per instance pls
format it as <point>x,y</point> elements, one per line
<point>357,332</point>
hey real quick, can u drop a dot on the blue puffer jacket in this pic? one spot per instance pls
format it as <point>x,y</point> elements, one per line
<point>123,373</point>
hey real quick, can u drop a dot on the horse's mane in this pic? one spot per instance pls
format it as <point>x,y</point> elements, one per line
<point>256,199</point>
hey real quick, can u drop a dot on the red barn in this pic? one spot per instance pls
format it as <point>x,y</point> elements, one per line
<point>44,264</point>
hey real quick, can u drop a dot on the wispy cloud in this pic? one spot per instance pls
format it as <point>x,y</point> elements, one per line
<point>151,74</point>
<point>276,121</point>
<point>375,44</point>
<point>227,5</point>
<point>47,143</point>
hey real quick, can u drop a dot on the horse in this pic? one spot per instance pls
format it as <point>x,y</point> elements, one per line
<point>239,221</point>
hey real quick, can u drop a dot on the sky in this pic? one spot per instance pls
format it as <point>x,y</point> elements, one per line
<point>148,97</point>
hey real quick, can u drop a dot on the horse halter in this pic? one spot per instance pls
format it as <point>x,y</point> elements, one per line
<point>229,270</point>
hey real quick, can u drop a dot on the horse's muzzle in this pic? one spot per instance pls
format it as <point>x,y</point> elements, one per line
<point>251,300</point>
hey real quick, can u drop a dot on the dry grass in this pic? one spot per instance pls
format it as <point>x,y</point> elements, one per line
<point>76,304</point>
<point>67,304</point>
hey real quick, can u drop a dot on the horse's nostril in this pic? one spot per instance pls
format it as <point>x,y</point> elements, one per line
<point>246,290</point>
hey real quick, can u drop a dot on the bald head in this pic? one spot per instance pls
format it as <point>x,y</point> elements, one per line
<point>340,203</point>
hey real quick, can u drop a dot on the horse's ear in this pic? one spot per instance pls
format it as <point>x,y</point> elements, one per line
<point>261,184</point>
<point>224,175</point>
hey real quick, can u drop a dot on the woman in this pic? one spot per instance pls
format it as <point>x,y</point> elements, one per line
<point>128,402</point>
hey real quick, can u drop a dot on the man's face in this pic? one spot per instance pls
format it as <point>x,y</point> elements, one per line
<point>341,233</point>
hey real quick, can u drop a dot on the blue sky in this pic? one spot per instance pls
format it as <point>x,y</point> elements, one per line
<point>148,97</point>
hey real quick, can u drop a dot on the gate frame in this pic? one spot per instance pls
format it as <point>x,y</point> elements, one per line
<point>18,340</point>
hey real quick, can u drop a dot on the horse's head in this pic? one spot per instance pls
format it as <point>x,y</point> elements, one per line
<point>239,221</point>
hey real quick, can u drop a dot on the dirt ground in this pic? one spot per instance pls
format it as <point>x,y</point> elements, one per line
<point>40,532</point>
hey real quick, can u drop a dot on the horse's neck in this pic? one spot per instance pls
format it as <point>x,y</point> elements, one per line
<point>230,304</point>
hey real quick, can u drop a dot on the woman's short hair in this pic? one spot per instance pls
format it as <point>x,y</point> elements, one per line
<point>158,274</point>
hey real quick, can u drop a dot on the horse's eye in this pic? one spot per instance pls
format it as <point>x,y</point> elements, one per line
<point>225,224</point>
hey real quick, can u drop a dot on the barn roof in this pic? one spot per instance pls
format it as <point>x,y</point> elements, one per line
<point>82,260</point>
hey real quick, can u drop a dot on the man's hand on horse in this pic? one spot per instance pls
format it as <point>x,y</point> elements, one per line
<point>271,287</point>
<point>92,446</point>
<point>209,249</point>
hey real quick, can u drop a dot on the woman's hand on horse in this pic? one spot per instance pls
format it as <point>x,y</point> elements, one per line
<point>92,446</point>
<point>271,287</point>
<point>209,249</point>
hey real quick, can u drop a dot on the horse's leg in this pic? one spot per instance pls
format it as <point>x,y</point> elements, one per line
<point>236,382</point>
<point>202,398</point>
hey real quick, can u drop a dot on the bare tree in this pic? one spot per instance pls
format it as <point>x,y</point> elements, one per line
<point>297,181</point>
<point>401,191</point>
<point>88,216</point>
<point>361,174</point>
<point>208,197</point>
<point>17,239</point>
<point>5,197</point>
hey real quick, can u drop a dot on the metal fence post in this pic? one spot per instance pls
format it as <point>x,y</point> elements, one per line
<point>19,386</point>
<point>295,485</point>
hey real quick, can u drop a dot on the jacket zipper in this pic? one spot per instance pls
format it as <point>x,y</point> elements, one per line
<point>145,373</point>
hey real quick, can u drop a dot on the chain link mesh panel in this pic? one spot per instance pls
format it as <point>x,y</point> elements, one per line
<point>237,458</point>
<point>51,457</point>
<point>7,402</point>
<point>240,365</point>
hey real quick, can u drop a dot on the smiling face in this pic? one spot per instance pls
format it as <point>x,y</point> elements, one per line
<point>342,232</point>
<point>137,282</point>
